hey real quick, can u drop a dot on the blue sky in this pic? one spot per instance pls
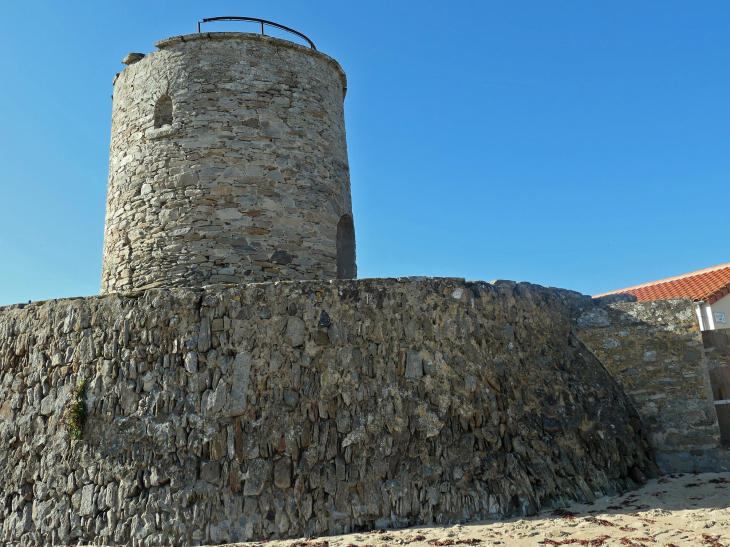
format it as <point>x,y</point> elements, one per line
<point>567,143</point>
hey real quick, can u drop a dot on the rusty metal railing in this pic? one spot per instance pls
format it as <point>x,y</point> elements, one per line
<point>262,22</point>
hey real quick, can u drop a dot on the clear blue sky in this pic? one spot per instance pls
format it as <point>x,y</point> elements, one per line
<point>567,143</point>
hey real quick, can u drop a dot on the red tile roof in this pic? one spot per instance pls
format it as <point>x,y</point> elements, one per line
<point>710,284</point>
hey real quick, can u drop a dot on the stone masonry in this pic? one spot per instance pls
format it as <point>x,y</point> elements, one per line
<point>223,414</point>
<point>242,385</point>
<point>228,164</point>
<point>654,350</point>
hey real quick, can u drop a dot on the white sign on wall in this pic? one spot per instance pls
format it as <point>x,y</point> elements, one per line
<point>719,317</point>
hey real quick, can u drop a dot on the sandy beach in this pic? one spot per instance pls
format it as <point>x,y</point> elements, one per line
<point>675,510</point>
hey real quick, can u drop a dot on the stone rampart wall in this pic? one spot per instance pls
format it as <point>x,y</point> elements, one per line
<point>654,350</point>
<point>284,409</point>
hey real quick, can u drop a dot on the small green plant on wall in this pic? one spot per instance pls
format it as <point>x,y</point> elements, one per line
<point>75,414</point>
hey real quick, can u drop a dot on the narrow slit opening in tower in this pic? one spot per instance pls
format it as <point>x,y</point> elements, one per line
<point>346,266</point>
<point>163,111</point>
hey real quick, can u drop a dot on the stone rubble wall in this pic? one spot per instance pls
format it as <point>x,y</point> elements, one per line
<point>249,181</point>
<point>654,350</point>
<point>233,413</point>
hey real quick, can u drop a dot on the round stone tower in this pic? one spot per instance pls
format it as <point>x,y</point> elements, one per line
<point>228,164</point>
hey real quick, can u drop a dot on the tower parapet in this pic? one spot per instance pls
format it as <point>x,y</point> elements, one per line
<point>228,164</point>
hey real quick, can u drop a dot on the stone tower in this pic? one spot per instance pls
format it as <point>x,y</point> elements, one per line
<point>228,164</point>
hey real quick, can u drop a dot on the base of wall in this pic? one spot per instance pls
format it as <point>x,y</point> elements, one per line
<point>715,460</point>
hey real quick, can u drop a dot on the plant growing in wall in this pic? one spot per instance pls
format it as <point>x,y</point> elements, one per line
<point>75,415</point>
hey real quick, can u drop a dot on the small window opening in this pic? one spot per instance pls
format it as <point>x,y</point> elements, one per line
<point>163,111</point>
<point>346,266</point>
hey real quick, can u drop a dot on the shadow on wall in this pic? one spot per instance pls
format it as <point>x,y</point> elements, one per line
<point>346,266</point>
<point>654,351</point>
<point>717,351</point>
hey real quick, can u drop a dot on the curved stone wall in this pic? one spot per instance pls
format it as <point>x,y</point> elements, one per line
<point>228,163</point>
<point>654,351</point>
<point>286,409</point>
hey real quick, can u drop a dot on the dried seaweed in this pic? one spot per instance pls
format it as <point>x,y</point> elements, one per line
<point>597,542</point>
<point>600,522</point>
<point>567,515</point>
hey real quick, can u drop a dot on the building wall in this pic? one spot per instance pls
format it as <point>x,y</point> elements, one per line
<point>722,305</point>
<point>706,317</point>
<point>250,180</point>
<point>654,351</point>
<point>286,409</point>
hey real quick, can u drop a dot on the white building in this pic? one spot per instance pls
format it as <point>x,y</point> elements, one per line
<point>709,289</point>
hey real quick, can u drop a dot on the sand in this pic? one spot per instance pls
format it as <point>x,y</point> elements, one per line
<point>675,510</point>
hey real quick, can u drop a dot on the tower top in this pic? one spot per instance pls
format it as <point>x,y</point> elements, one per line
<point>167,43</point>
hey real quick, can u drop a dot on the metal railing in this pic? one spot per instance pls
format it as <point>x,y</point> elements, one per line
<point>262,22</point>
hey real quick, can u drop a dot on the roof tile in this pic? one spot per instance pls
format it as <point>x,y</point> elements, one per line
<point>701,285</point>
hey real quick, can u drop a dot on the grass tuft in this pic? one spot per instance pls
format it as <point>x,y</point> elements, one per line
<point>75,415</point>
